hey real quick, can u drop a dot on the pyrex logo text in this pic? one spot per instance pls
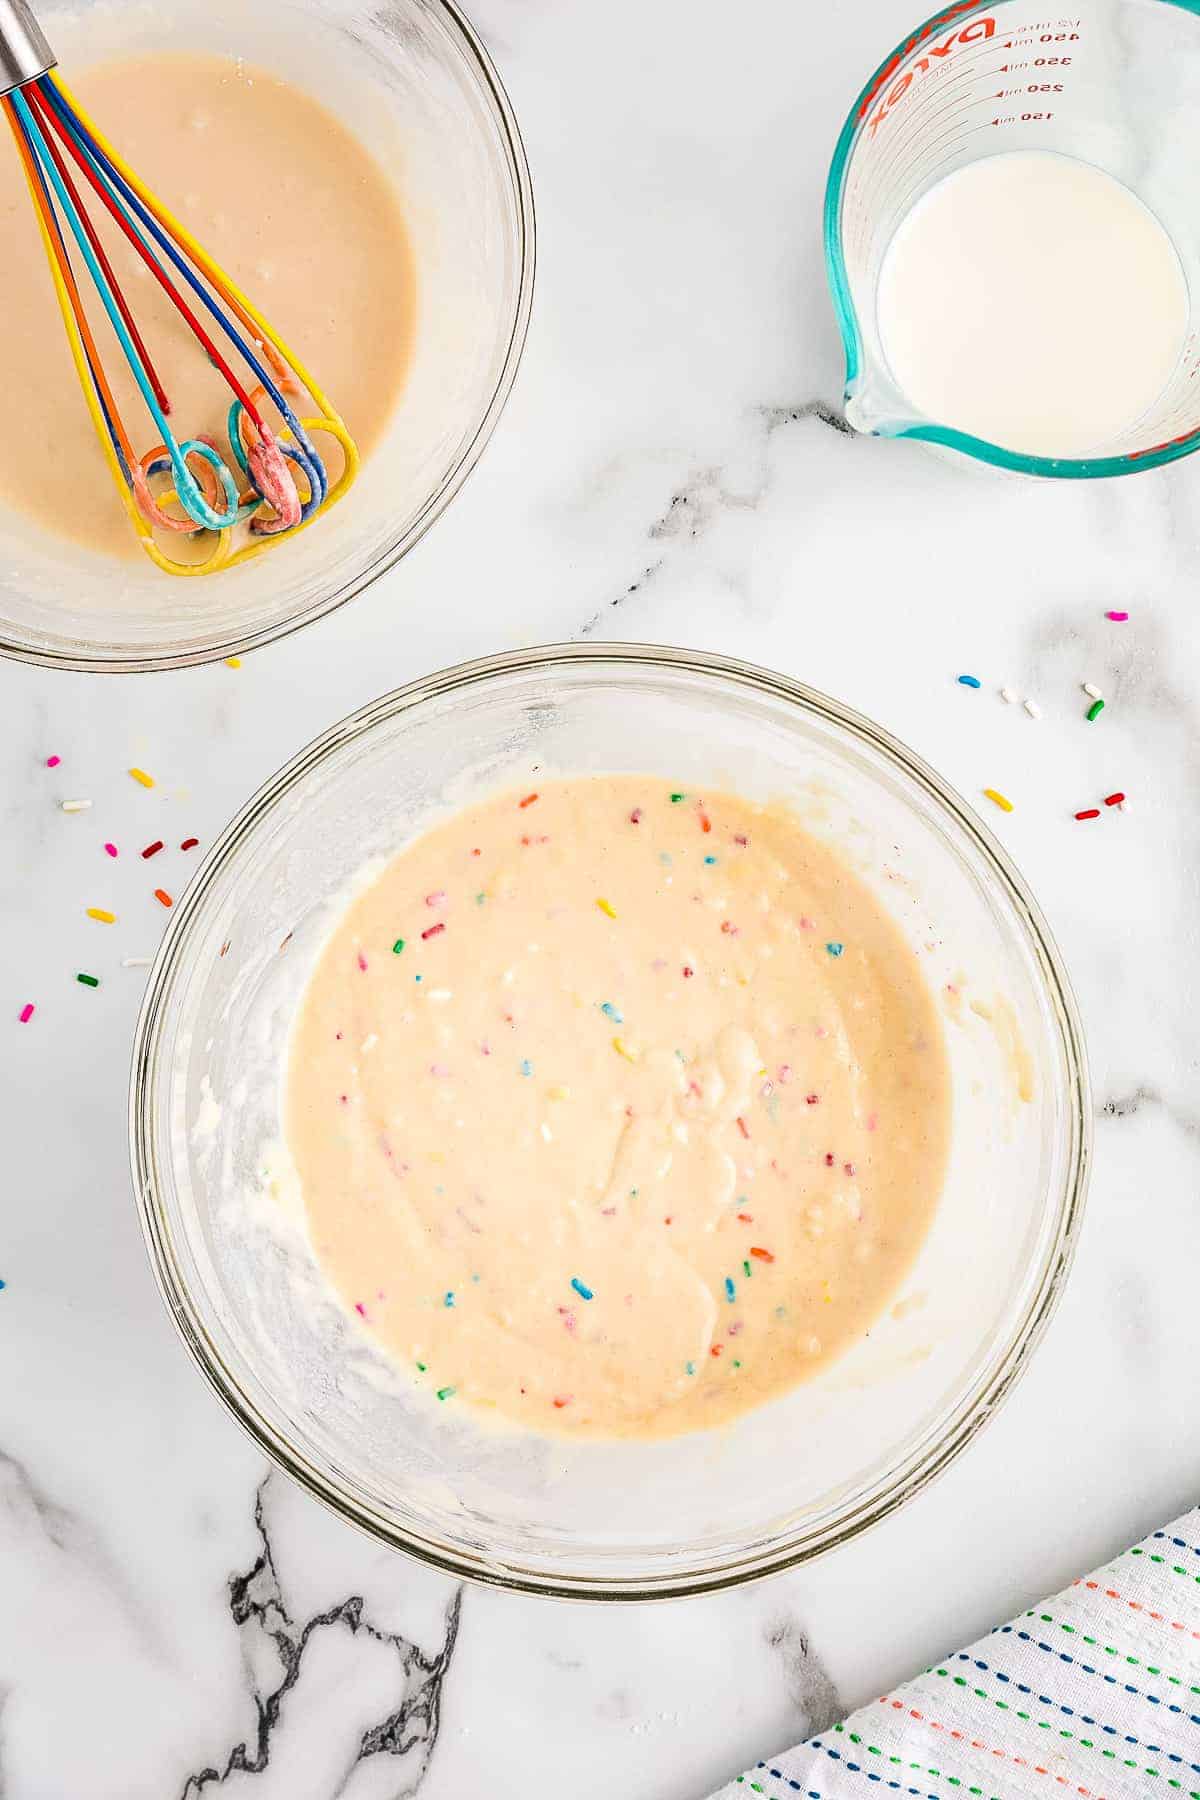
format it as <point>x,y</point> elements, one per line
<point>974,32</point>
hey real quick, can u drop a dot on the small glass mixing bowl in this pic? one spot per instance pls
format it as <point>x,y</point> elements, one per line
<point>566,1516</point>
<point>418,89</point>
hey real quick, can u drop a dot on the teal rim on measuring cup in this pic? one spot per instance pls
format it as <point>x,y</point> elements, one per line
<point>1109,82</point>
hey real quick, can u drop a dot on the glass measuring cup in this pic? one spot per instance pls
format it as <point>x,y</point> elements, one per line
<point>1109,82</point>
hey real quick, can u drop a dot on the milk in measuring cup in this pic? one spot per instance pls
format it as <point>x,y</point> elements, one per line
<point>1030,299</point>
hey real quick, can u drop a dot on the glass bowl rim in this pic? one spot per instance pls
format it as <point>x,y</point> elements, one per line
<point>516,161</point>
<point>922,1461</point>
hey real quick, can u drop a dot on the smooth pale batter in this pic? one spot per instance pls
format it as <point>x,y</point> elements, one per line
<point>283,196</point>
<point>615,1109</point>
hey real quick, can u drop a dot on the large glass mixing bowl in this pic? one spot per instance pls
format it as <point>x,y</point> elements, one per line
<point>416,86</point>
<point>608,1520</point>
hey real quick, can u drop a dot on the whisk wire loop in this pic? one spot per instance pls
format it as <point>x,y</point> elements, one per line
<point>43,116</point>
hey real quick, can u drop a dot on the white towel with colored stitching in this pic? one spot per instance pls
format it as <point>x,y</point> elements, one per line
<point>1095,1694</point>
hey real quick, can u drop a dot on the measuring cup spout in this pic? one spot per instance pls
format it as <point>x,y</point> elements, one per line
<point>874,406</point>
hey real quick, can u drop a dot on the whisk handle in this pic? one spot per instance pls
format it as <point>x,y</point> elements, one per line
<point>24,52</point>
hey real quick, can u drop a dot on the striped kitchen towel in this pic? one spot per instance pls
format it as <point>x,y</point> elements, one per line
<point>1095,1692</point>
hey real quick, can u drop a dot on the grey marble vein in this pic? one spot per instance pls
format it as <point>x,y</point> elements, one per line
<point>1135,1100</point>
<point>28,1513</point>
<point>647,574</point>
<point>705,496</point>
<point>260,1613</point>
<point>809,1683</point>
<point>776,417</point>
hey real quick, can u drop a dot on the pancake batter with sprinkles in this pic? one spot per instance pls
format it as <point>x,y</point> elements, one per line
<point>617,1109</point>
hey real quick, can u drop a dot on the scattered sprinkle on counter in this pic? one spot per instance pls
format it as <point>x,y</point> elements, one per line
<point>1094,710</point>
<point>998,799</point>
<point>52,762</point>
<point>1118,618</point>
<point>163,898</point>
<point>92,981</point>
<point>101,915</point>
<point>971,681</point>
<point>142,779</point>
<point>26,1013</point>
<point>152,849</point>
<point>75,806</point>
<point>1032,708</point>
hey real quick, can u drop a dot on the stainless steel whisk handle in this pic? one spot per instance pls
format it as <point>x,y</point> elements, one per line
<point>24,52</point>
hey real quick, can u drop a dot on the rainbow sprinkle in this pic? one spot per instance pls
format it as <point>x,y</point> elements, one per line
<point>607,908</point>
<point>26,1012</point>
<point>110,849</point>
<point>398,946</point>
<point>730,1290</point>
<point>1094,710</point>
<point>835,949</point>
<point>142,779</point>
<point>52,762</point>
<point>585,1293</point>
<point>163,898</point>
<point>102,915</point>
<point>152,849</point>
<point>971,681</point>
<point>1118,618</point>
<point>89,980</point>
<point>998,799</point>
<point>610,1012</point>
<point>622,1049</point>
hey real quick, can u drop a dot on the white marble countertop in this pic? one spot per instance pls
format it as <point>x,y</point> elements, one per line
<point>170,1612</point>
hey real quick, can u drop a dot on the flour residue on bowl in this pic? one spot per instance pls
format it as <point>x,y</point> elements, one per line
<point>616,1109</point>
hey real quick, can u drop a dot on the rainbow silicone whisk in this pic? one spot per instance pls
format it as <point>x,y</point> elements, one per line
<point>278,482</point>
